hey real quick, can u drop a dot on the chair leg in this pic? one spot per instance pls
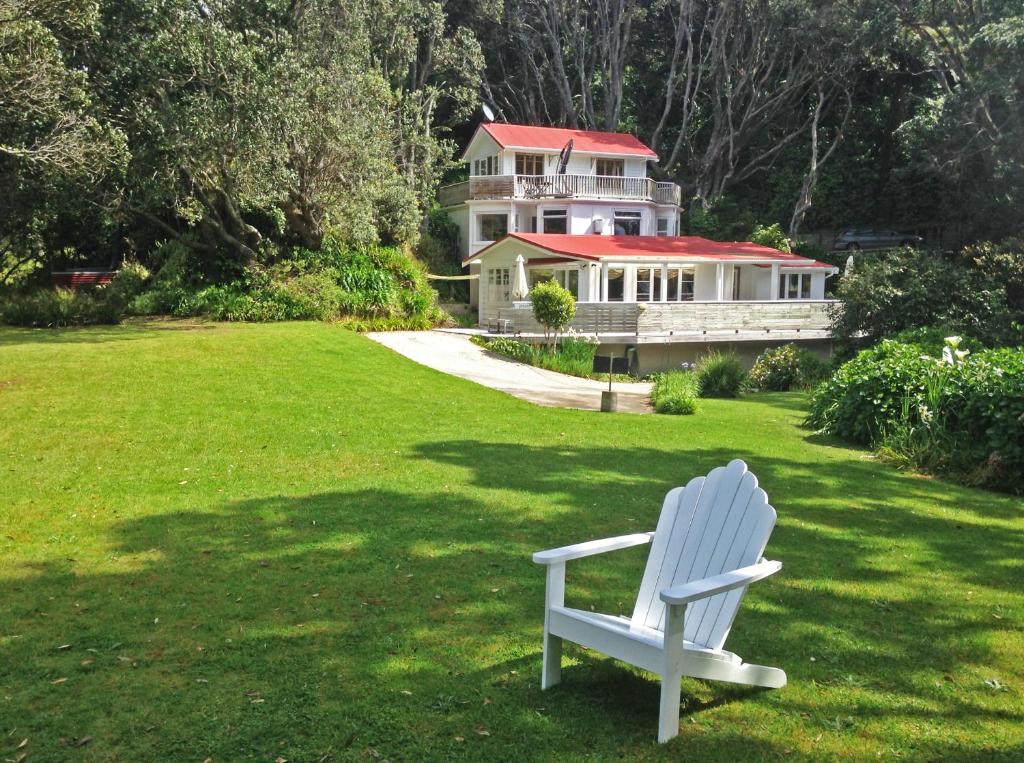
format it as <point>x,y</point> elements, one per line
<point>551,671</point>
<point>668,714</point>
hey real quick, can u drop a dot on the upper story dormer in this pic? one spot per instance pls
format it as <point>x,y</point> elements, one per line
<point>526,162</point>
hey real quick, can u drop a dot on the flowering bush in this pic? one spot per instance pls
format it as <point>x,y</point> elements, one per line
<point>960,414</point>
<point>787,367</point>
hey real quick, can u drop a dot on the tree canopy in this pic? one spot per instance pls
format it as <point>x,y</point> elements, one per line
<point>241,130</point>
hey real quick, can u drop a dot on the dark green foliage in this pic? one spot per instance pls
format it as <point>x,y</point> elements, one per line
<point>963,416</point>
<point>675,392</point>
<point>371,287</point>
<point>868,391</point>
<point>720,374</point>
<point>978,292</point>
<point>553,306</point>
<point>571,355</point>
<point>778,369</point>
<point>771,235</point>
<point>55,308</point>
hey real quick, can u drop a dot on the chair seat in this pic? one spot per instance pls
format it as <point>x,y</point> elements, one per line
<point>648,640</point>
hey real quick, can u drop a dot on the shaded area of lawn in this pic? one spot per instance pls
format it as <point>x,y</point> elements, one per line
<point>263,541</point>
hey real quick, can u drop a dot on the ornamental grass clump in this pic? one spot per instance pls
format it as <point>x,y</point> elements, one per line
<point>675,392</point>
<point>720,374</point>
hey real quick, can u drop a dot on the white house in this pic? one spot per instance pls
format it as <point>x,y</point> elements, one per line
<point>515,186</point>
<point>608,233</point>
<point>667,299</point>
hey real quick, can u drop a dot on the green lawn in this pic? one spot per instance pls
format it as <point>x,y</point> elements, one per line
<point>251,542</point>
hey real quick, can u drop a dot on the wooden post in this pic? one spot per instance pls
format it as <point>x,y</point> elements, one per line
<point>773,290</point>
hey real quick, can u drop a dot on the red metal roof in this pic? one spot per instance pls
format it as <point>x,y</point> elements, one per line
<point>596,248</point>
<point>554,138</point>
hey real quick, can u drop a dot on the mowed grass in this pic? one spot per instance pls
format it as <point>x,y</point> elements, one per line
<point>285,541</point>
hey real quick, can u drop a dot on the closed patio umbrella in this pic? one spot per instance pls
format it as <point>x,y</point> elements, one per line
<point>520,289</point>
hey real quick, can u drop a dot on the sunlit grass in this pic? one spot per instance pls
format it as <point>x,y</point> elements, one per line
<point>286,541</point>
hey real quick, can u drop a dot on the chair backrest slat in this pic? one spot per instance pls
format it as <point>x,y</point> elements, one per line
<point>715,524</point>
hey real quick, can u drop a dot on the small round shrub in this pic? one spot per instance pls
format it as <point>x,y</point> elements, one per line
<point>553,307</point>
<point>778,369</point>
<point>720,374</point>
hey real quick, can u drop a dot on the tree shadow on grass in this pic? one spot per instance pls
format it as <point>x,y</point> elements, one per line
<point>347,622</point>
<point>129,331</point>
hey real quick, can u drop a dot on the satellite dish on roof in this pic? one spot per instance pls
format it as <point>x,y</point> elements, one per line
<point>488,112</point>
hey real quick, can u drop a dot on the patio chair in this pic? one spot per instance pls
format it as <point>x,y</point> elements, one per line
<point>706,550</point>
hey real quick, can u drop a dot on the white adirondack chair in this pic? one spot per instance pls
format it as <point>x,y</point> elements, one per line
<point>706,550</point>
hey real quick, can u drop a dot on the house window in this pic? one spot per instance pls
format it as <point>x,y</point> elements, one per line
<point>795,286</point>
<point>498,285</point>
<point>491,227</point>
<point>736,283</point>
<point>529,164</point>
<point>627,223</point>
<point>486,166</point>
<point>616,281</point>
<point>567,278</point>
<point>555,221</point>
<point>645,289</point>
<point>680,285</point>
<point>612,167</point>
<point>662,226</point>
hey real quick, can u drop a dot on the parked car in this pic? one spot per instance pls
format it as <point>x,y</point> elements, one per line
<point>874,238</point>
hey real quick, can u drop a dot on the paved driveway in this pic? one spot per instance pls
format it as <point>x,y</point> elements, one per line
<point>454,354</point>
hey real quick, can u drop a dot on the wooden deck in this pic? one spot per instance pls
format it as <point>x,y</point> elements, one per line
<point>690,321</point>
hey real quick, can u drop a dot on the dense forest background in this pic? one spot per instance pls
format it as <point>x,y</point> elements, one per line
<point>243,131</point>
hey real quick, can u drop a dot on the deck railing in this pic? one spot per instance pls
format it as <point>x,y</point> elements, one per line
<point>686,318</point>
<point>559,187</point>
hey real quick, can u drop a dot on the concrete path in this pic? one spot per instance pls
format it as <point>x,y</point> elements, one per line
<point>454,354</point>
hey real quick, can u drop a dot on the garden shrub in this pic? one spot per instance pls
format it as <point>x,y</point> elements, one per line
<point>55,308</point>
<point>869,390</point>
<point>553,307</point>
<point>675,392</point>
<point>962,415</point>
<point>978,292</point>
<point>573,355</point>
<point>778,369</point>
<point>720,374</point>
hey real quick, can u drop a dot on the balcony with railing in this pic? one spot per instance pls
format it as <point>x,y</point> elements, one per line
<point>609,187</point>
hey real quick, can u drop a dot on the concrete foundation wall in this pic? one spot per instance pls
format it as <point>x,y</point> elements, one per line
<point>651,358</point>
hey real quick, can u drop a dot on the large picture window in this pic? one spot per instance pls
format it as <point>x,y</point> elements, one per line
<point>627,223</point>
<point>491,227</point>
<point>795,286</point>
<point>612,167</point>
<point>555,221</point>
<point>567,278</point>
<point>680,285</point>
<point>529,164</point>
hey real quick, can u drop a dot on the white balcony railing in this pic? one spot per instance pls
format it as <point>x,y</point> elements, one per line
<point>559,187</point>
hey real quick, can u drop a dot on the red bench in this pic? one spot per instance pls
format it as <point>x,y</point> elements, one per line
<point>71,279</point>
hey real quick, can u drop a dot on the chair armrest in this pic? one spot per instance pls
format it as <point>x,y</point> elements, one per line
<point>727,581</point>
<point>591,547</point>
